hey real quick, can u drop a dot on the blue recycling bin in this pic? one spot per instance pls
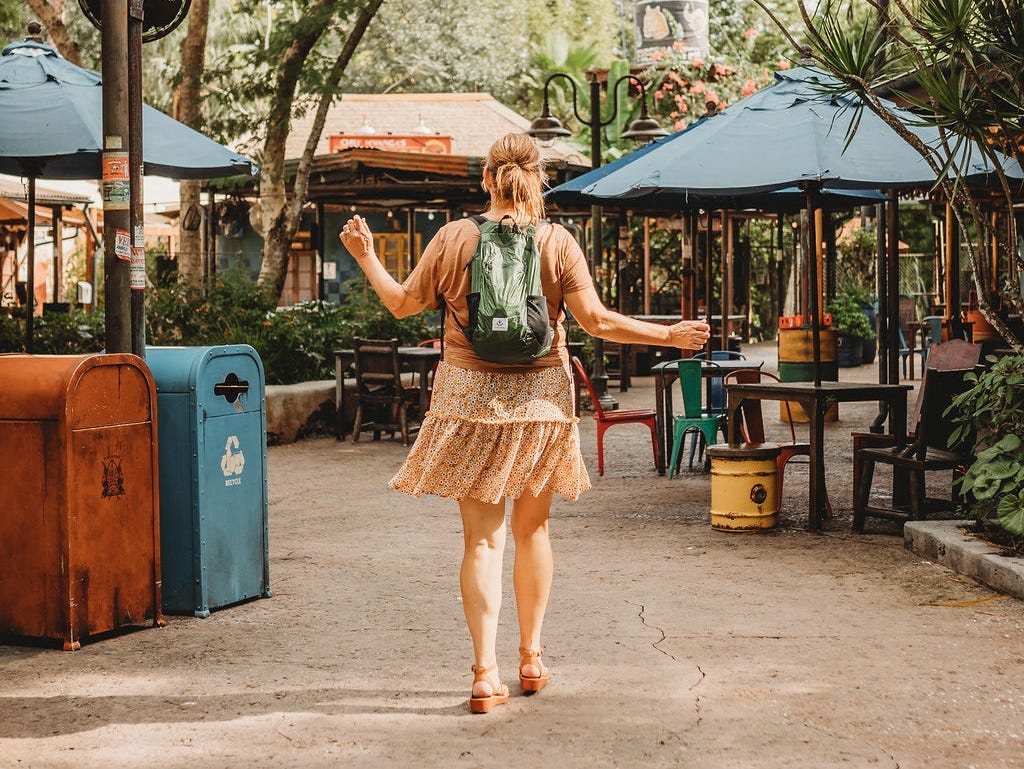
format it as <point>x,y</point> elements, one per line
<point>212,422</point>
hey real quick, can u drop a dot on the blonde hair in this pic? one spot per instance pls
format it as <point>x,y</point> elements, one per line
<point>518,174</point>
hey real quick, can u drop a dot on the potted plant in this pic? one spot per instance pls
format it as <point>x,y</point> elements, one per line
<point>992,411</point>
<point>852,328</point>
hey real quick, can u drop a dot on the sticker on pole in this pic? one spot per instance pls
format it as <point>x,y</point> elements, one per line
<point>233,462</point>
<point>160,17</point>
<point>123,245</point>
<point>137,271</point>
<point>117,190</point>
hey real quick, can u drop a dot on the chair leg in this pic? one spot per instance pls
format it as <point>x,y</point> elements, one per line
<point>863,493</point>
<point>600,448</point>
<point>654,442</point>
<point>917,495</point>
<point>357,423</point>
<point>403,422</point>
<point>677,441</point>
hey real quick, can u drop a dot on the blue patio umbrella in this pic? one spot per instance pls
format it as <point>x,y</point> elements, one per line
<point>52,127</point>
<point>795,133</point>
<point>790,134</point>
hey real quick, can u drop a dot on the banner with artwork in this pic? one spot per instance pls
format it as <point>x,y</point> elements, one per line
<point>671,25</point>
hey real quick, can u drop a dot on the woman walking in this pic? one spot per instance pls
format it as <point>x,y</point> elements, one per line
<point>500,431</point>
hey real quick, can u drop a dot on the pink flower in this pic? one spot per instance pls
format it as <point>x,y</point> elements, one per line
<point>657,55</point>
<point>784,64</point>
<point>750,34</point>
<point>683,107</point>
<point>711,96</point>
<point>698,86</point>
<point>696,63</point>
<point>748,87</point>
<point>721,70</point>
<point>677,45</point>
<point>673,114</point>
<point>679,125</point>
<point>658,94</point>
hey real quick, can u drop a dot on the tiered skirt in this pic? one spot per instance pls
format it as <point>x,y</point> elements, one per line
<point>488,436</point>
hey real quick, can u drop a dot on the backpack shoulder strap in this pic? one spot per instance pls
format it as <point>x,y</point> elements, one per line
<point>478,219</point>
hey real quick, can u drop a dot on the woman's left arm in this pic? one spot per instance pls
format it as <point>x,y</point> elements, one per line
<point>358,239</point>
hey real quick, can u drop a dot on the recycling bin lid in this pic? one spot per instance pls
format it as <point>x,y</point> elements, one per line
<point>220,379</point>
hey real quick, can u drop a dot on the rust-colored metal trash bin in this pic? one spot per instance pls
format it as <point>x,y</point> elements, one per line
<point>80,521</point>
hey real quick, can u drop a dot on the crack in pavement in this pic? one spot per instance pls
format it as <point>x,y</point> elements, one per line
<point>655,645</point>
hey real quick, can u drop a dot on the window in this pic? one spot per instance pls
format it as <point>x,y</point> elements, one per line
<point>393,252</point>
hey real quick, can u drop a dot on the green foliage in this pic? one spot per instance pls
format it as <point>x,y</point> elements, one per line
<point>848,318</point>
<point>295,343</point>
<point>73,333</point>
<point>992,414</point>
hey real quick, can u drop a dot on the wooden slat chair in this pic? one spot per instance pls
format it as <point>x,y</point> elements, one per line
<point>954,355</point>
<point>927,452</point>
<point>606,419</point>
<point>380,392</point>
<point>752,430</point>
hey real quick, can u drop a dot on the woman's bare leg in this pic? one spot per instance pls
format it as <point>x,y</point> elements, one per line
<point>483,530</point>
<point>533,569</point>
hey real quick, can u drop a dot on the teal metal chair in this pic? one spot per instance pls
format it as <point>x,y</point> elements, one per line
<point>693,418</point>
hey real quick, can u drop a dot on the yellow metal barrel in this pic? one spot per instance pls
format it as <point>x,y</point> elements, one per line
<point>743,482</point>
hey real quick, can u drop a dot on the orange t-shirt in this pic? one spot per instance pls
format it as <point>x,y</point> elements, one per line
<point>441,275</point>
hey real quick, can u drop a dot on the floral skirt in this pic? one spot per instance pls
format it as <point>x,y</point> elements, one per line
<point>493,435</point>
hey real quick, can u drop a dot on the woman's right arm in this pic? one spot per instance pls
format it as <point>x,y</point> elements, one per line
<point>597,320</point>
<point>358,240</point>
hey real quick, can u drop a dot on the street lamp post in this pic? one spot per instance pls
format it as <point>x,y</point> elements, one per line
<point>547,127</point>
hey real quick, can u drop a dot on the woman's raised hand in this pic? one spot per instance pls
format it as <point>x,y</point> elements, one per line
<point>689,334</point>
<point>357,238</point>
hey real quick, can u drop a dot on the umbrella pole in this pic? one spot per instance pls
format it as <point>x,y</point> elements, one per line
<point>708,235</point>
<point>726,302</point>
<point>812,273</point>
<point>892,269</point>
<point>30,293</point>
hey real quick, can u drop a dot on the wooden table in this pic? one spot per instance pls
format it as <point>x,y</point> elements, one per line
<point>665,375</point>
<point>418,359</point>
<point>816,400</point>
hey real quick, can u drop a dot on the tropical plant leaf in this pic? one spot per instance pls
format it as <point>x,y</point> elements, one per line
<point>1011,514</point>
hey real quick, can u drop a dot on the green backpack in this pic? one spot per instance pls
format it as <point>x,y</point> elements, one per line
<point>508,314</point>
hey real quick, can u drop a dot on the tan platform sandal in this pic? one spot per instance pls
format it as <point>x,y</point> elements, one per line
<point>499,694</point>
<point>532,684</point>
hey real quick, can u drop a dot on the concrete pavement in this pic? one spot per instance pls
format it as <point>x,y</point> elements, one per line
<point>670,644</point>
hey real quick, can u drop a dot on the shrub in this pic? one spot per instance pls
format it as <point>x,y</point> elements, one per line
<point>295,343</point>
<point>993,412</point>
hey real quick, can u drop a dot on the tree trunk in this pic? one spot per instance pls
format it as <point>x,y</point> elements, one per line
<point>280,216</point>
<point>51,16</point>
<point>187,109</point>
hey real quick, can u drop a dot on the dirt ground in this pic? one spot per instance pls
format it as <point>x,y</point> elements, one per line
<point>670,644</point>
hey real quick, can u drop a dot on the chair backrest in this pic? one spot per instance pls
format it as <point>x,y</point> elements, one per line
<point>954,355</point>
<point>721,355</point>
<point>581,374</point>
<point>435,343</point>
<point>377,369</point>
<point>907,315</point>
<point>934,324</point>
<point>690,385</point>
<point>753,419</point>
<point>937,391</point>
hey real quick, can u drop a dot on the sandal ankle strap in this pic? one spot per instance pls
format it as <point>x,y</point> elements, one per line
<point>480,671</point>
<point>524,652</point>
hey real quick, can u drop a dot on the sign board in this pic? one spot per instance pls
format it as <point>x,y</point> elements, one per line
<point>671,25</point>
<point>431,145</point>
<point>160,17</point>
